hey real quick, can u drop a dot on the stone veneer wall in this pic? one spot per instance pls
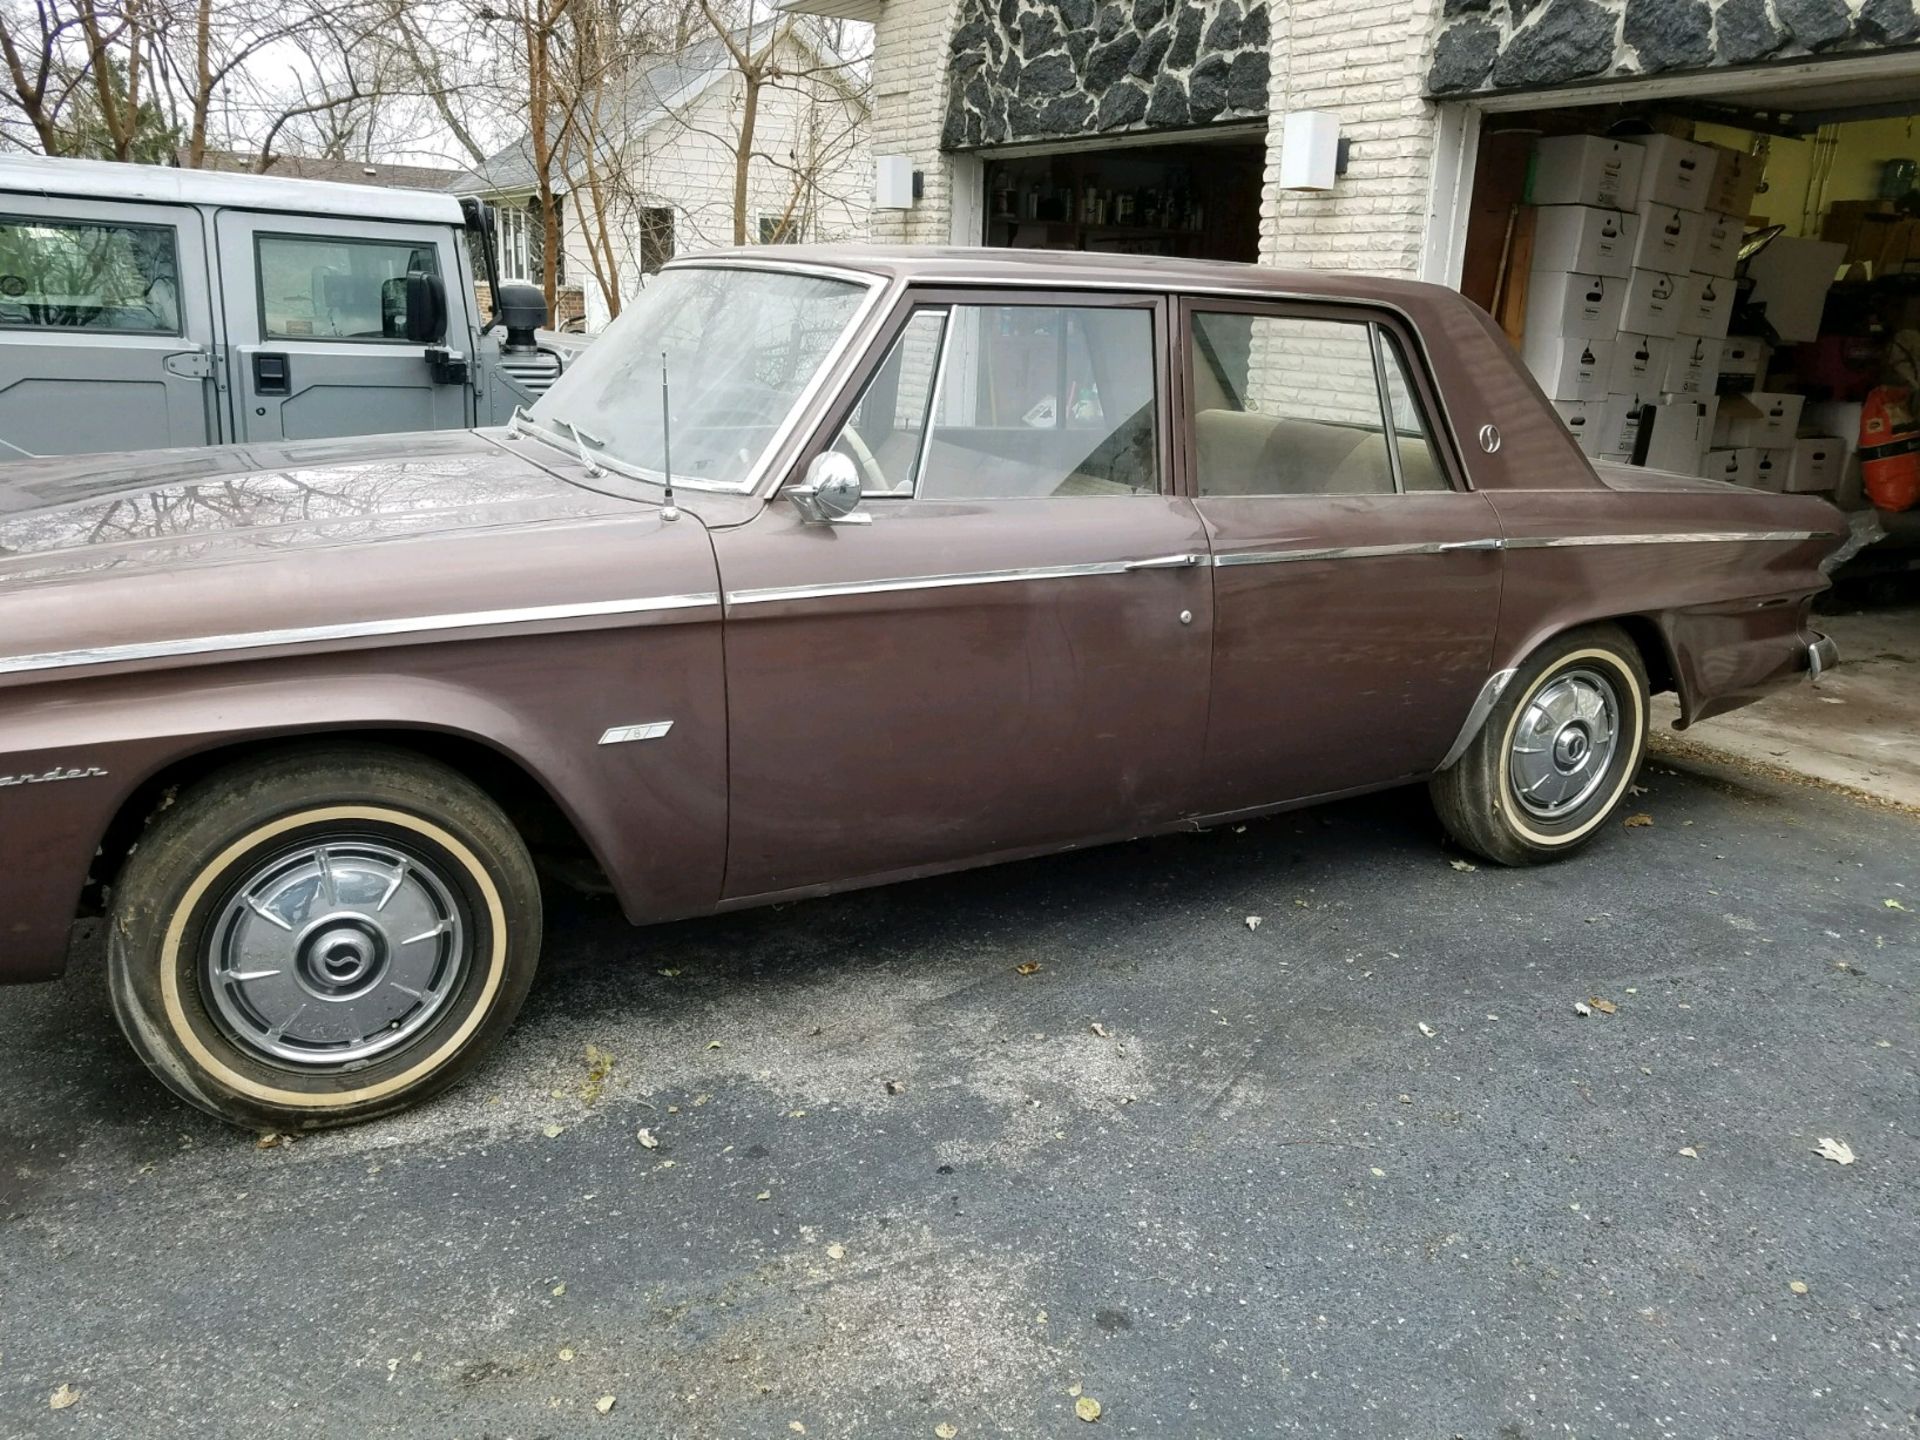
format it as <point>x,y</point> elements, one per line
<point>1530,44</point>
<point>1051,69</point>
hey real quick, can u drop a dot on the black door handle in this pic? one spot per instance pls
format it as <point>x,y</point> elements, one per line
<point>271,374</point>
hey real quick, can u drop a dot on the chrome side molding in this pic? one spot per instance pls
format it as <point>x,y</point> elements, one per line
<point>1483,704</point>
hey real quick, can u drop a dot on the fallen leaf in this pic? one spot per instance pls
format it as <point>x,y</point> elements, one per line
<point>271,1141</point>
<point>560,1289</point>
<point>1404,1099</point>
<point>1580,1008</point>
<point>671,974</point>
<point>1427,1030</point>
<point>1895,905</point>
<point>713,1044</point>
<point>796,1114</point>
<point>1253,921</point>
<point>1098,1029</point>
<point>63,1397</point>
<point>648,1139</point>
<point>896,1087</point>
<point>764,1195</point>
<point>1798,1287</point>
<point>1605,1007</point>
<point>552,1130</point>
<point>1837,1151</point>
<point>796,1427</point>
<point>1378,1173</point>
<point>1464,866</point>
<point>566,1353</point>
<point>1689,1152</point>
<point>1074,1389</point>
<point>1636,789</point>
<point>836,1251</point>
<point>1638,822</point>
<point>945,1430</point>
<point>1029,967</point>
<point>1087,1408</point>
<point>604,1404</point>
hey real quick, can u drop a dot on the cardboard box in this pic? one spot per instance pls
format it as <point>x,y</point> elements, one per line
<point>1744,358</point>
<point>1706,306</point>
<point>1676,172</point>
<point>1771,466</point>
<point>1653,303</point>
<point>1736,175</point>
<point>1764,418</point>
<point>1817,464</point>
<point>1736,465</point>
<point>1839,419</point>
<point>1719,248</point>
<point>1569,368</point>
<point>1585,170</point>
<point>1676,432</point>
<point>1693,366</point>
<point>1584,238</point>
<point>1791,278</point>
<point>1574,305</point>
<point>1582,419</point>
<point>1639,365</point>
<point>1668,238</point>
<point>1620,423</point>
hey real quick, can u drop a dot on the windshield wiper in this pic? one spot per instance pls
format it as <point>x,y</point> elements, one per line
<point>581,438</point>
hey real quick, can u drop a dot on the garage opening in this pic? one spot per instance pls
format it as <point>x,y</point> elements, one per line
<point>1729,285</point>
<point>1199,199</point>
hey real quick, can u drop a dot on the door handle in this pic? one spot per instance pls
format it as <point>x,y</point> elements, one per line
<point>1163,562</point>
<point>271,374</point>
<point>1447,547</point>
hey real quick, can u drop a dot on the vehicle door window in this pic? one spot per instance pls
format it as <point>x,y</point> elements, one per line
<point>1294,405</point>
<point>1043,400</point>
<point>83,275</point>
<point>886,433</point>
<point>1420,467</point>
<point>321,288</point>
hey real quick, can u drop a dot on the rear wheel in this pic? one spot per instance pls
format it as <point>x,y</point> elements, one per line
<point>1556,755</point>
<point>322,936</point>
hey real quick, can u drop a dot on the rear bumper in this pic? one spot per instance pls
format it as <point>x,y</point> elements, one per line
<point>1822,655</point>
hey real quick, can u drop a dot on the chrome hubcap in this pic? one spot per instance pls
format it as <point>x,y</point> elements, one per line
<point>333,954</point>
<point>1563,744</point>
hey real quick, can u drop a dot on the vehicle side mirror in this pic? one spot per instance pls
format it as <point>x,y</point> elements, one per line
<point>522,310</point>
<point>830,495</point>
<point>426,308</point>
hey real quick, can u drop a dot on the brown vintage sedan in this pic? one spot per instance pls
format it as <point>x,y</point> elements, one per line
<point>932,558</point>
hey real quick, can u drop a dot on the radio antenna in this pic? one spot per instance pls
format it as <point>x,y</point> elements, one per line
<point>669,511</point>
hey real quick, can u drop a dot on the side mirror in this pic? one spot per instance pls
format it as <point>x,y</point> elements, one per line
<point>522,310</point>
<point>830,495</point>
<point>426,308</point>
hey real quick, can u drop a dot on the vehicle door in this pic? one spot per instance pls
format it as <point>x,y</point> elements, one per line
<point>106,327</point>
<point>1356,576</point>
<point>1010,653</point>
<point>316,313</point>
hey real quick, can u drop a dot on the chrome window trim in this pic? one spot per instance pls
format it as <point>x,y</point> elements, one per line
<point>1389,437</point>
<point>352,630</point>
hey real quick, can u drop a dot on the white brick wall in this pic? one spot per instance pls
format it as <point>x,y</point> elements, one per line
<point>1366,63</point>
<point>909,107</point>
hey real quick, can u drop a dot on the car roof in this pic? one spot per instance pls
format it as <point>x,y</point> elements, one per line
<point>169,185</point>
<point>983,265</point>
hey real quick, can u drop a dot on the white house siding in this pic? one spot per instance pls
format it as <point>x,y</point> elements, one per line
<point>686,163</point>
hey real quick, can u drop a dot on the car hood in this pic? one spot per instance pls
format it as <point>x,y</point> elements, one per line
<point>62,518</point>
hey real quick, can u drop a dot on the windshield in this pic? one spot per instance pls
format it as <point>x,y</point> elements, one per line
<point>741,347</point>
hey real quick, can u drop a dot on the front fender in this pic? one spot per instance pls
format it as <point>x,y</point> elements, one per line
<point>73,753</point>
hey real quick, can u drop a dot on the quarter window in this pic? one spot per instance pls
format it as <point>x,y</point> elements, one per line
<point>79,275</point>
<point>1293,405</point>
<point>319,288</point>
<point>886,433</point>
<point>1043,400</point>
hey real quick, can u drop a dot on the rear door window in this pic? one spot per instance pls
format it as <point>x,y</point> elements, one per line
<point>106,277</point>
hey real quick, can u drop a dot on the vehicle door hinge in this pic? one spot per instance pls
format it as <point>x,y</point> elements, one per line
<point>190,365</point>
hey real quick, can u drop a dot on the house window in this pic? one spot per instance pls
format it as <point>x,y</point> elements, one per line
<point>656,238</point>
<point>779,230</point>
<point>521,236</point>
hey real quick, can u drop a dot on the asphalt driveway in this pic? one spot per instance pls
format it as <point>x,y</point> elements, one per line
<point>1361,1169</point>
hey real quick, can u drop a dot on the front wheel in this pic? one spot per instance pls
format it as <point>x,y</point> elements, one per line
<point>1556,755</point>
<point>322,936</point>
